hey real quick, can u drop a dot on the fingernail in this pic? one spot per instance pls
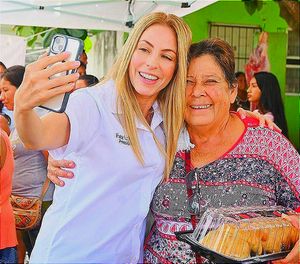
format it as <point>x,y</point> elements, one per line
<point>76,63</point>
<point>285,216</point>
<point>72,164</point>
<point>70,174</point>
<point>61,184</point>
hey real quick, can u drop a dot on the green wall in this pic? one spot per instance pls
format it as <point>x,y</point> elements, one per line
<point>268,18</point>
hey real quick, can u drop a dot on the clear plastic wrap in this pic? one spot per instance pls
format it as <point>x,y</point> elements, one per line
<point>244,235</point>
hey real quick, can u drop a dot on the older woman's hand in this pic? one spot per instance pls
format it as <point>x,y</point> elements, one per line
<point>263,120</point>
<point>294,255</point>
<point>56,169</point>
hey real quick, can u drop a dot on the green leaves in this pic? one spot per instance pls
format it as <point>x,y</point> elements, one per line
<point>253,5</point>
<point>87,44</point>
<point>33,34</point>
<point>77,33</point>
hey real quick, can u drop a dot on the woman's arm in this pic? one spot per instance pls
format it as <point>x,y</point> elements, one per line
<point>51,131</point>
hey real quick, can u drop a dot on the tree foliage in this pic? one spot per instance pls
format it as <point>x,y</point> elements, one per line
<point>289,10</point>
<point>32,33</point>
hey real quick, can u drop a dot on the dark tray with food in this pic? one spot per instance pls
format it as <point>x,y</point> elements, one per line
<point>242,235</point>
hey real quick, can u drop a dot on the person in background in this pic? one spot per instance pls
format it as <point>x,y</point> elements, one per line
<point>81,69</point>
<point>241,98</point>
<point>8,237</point>
<point>84,58</point>
<point>83,63</point>
<point>6,116</point>
<point>116,135</point>
<point>265,97</point>
<point>86,80</point>
<point>222,160</point>
<point>2,68</point>
<point>30,166</point>
<point>4,120</point>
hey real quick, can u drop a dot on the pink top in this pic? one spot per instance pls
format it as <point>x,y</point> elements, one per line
<point>8,236</point>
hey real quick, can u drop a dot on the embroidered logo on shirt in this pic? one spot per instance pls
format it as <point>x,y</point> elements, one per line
<point>123,139</point>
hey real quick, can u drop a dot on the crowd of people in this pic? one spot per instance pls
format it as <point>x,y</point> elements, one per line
<point>157,132</point>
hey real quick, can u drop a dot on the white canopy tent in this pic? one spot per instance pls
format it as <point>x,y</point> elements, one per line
<point>117,15</point>
<point>111,15</point>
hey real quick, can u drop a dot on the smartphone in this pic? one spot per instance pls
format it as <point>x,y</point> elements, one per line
<point>61,43</point>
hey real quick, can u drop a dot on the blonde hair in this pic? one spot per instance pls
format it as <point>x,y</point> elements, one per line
<point>171,99</point>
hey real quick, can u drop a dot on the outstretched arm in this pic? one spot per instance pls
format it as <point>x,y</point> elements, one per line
<point>51,131</point>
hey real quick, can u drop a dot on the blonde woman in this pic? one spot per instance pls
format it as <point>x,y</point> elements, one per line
<point>115,135</point>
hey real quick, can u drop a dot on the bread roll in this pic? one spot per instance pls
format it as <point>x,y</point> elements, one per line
<point>257,236</point>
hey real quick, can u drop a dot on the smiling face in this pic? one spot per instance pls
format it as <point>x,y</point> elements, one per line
<point>153,62</point>
<point>254,93</point>
<point>208,94</point>
<point>7,93</point>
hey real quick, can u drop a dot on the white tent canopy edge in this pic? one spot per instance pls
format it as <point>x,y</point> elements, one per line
<point>116,15</point>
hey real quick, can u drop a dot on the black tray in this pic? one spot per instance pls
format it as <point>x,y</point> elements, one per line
<point>216,257</point>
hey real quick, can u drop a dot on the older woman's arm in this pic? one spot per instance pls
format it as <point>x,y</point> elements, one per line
<point>60,169</point>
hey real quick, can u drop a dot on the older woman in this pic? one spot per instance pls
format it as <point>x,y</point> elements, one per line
<point>223,160</point>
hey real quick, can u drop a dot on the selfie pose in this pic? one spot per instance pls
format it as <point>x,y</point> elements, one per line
<point>115,135</point>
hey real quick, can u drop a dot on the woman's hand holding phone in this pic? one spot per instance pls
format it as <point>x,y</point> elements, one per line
<point>37,87</point>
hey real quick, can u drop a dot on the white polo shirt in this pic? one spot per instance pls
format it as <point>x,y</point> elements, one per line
<point>99,215</point>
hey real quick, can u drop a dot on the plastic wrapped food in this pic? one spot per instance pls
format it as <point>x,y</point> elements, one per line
<point>243,234</point>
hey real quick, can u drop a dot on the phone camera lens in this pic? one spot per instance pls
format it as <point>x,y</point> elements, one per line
<point>57,40</point>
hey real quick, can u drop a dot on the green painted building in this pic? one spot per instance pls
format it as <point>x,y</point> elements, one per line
<point>230,20</point>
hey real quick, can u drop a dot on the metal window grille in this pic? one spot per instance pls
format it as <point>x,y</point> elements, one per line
<point>242,39</point>
<point>293,64</point>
